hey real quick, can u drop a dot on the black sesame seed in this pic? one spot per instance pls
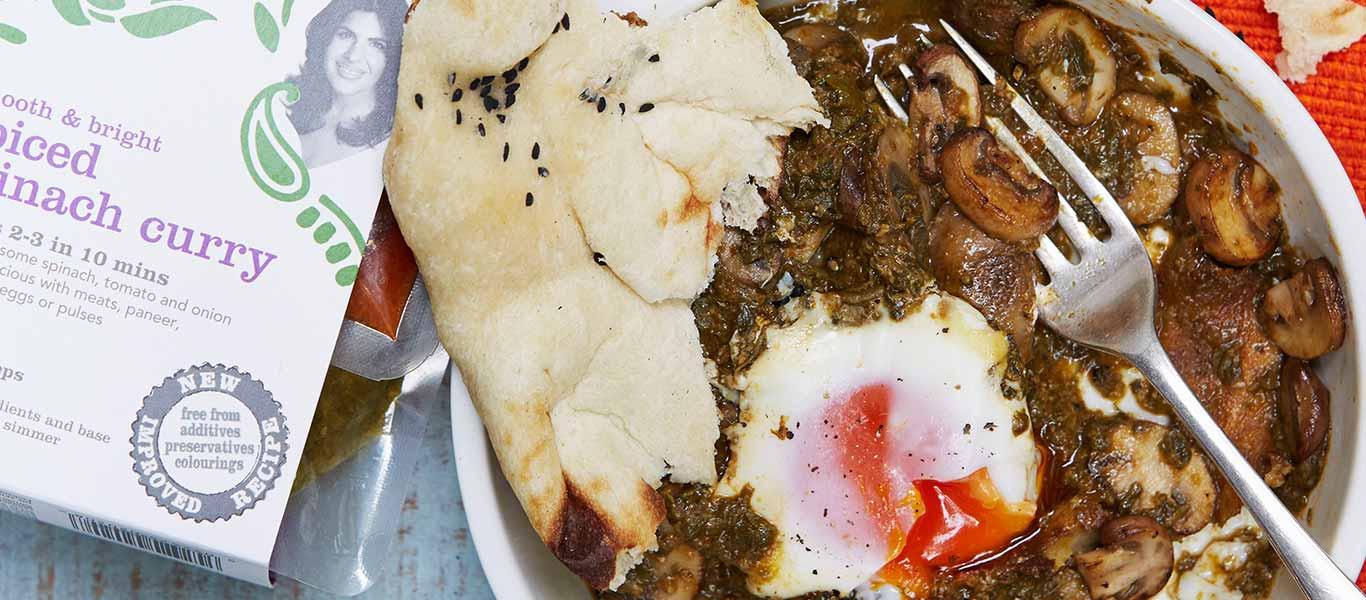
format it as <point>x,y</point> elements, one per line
<point>459,118</point>
<point>602,104</point>
<point>457,95</point>
<point>450,80</point>
<point>485,91</point>
<point>486,80</point>
<point>481,130</point>
<point>647,107</point>
<point>654,58</point>
<point>509,75</point>
<point>490,104</point>
<point>530,199</point>
<point>512,89</point>
<point>506,149</point>
<point>600,259</point>
<point>521,65</point>
<point>583,95</point>
<point>474,85</point>
<point>502,118</point>
<point>622,106</point>
<point>418,100</point>
<point>511,99</point>
<point>536,151</point>
<point>557,29</point>
<point>542,171</point>
<point>564,21</point>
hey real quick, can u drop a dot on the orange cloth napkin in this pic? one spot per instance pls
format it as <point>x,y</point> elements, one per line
<point>1336,95</point>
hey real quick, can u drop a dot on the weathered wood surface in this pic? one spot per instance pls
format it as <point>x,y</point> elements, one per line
<point>433,556</point>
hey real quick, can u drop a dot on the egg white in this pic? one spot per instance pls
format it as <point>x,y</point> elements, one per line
<point>951,413</point>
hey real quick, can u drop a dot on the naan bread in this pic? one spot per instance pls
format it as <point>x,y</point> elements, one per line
<point>561,282</point>
<point>1311,29</point>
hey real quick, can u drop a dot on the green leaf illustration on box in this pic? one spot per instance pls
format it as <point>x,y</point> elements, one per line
<point>71,12</point>
<point>267,29</point>
<point>279,171</point>
<point>12,34</point>
<point>163,21</point>
<point>148,20</point>
<point>274,165</point>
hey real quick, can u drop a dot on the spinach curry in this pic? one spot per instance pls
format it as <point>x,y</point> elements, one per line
<point>862,217</point>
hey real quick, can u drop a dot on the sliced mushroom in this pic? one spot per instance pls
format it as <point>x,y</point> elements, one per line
<point>1236,207</point>
<point>944,99</point>
<point>994,189</point>
<point>1305,315</point>
<point>949,72</point>
<point>1304,407</point>
<point>1152,469</point>
<point>930,120</point>
<point>995,277</point>
<point>895,154</point>
<point>1071,59</point>
<point>863,201</point>
<point>1135,560</point>
<point>1147,126</point>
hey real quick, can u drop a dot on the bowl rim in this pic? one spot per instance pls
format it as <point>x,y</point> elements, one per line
<point>1310,152</point>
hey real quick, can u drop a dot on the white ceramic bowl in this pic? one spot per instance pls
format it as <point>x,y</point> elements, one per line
<point>1319,205</point>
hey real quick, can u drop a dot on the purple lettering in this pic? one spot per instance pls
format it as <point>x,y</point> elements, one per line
<point>160,227</point>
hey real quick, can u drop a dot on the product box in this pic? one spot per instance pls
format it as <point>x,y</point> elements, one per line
<point>186,190</point>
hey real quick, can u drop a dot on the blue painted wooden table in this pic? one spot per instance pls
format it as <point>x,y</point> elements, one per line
<point>433,555</point>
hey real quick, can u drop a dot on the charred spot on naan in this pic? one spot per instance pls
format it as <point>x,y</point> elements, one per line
<point>588,544</point>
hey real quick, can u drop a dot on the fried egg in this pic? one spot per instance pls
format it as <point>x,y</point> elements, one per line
<point>883,451</point>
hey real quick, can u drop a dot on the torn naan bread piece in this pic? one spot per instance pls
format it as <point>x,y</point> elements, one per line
<point>1312,29</point>
<point>565,209</point>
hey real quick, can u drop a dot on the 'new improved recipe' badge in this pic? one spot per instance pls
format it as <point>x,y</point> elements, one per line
<point>209,442</point>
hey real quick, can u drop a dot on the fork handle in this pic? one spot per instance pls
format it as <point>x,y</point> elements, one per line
<point>1311,567</point>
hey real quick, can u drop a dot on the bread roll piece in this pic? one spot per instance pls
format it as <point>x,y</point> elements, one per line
<point>564,219</point>
<point>1311,29</point>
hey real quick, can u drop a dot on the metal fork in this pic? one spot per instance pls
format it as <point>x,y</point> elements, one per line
<point>1106,301</point>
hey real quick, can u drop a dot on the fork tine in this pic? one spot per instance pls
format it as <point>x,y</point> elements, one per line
<point>1071,163</point>
<point>1082,238</point>
<point>974,57</point>
<point>890,100</point>
<point>905,72</point>
<point>1052,258</point>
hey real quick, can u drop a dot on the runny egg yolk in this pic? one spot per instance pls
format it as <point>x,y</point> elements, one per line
<point>950,522</point>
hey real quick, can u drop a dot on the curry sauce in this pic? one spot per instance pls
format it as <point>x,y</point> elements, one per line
<point>872,254</point>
